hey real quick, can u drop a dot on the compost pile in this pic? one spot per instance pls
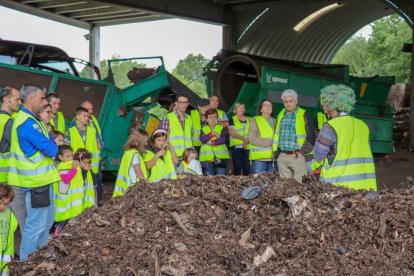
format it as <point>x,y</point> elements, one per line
<point>402,128</point>
<point>202,226</point>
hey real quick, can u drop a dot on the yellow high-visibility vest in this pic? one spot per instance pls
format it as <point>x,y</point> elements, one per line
<point>321,118</point>
<point>300,128</point>
<point>239,129</point>
<point>353,166</point>
<point>123,180</point>
<point>163,169</point>
<point>29,172</point>
<point>196,130</point>
<point>266,131</point>
<point>180,138</point>
<point>8,249</point>
<point>61,124</point>
<point>209,152</point>
<point>4,156</point>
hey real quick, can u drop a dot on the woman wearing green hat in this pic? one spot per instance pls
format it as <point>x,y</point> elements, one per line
<point>342,147</point>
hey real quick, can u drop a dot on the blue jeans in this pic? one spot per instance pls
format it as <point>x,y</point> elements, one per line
<point>37,226</point>
<point>263,166</point>
<point>214,170</point>
<point>240,158</point>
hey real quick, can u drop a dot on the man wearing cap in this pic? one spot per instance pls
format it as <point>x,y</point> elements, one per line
<point>58,120</point>
<point>198,120</point>
<point>342,145</point>
<point>222,117</point>
<point>179,126</point>
<point>294,137</point>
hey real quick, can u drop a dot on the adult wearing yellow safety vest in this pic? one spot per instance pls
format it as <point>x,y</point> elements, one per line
<point>343,143</point>
<point>10,103</point>
<point>294,138</point>
<point>198,120</point>
<point>57,120</point>
<point>222,117</point>
<point>239,140</point>
<point>32,171</point>
<point>261,132</point>
<point>178,125</point>
<point>132,168</point>
<point>213,153</point>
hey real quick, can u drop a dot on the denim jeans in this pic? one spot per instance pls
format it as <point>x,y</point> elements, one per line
<point>240,158</point>
<point>213,170</point>
<point>38,223</point>
<point>97,180</point>
<point>263,166</point>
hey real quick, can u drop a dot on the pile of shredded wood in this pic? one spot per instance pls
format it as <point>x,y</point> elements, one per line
<point>202,226</point>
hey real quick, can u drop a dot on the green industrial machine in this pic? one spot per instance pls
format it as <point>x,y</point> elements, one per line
<point>138,99</point>
<point>237,77</point>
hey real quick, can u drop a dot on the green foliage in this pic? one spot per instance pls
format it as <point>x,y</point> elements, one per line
<point>380,54</point>
<point>190,72</point>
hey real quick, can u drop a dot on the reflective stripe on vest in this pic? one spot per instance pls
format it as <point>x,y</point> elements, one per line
<point>8,252</point>
<point>76,142</point>
<point>196,130</point>
<point>300,128</point>
<point>353,166</point>
<point>240,130</point>
<point>266,131</point>
<point>4,156</point>
<point>209,152</point>
<point>89,196</point>
<point>29,172</point>
<point>61,124</point>
<point>163,169</point>
<point>179,138</point>
<point>123,180</point>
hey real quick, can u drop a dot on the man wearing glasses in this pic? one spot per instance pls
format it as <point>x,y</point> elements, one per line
<point>178,125</point>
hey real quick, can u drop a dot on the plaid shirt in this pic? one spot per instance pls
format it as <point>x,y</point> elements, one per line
<point>288,140</point>
<point>165,123</point>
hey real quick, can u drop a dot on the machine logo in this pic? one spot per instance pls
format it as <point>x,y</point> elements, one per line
<point>274,79</point>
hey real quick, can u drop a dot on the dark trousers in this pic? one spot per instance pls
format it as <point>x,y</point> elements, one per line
<point>240,158</point>
<point>97,180</point>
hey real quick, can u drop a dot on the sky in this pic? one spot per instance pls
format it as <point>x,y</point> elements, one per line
<point>173,39</point>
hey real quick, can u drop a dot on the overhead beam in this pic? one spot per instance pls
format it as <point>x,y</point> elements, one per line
<point>197,10</point>
<point>58,4</point>
<point>44,14</point>
<point>110,22</point>
<point>80,8</point>
<point>115,16</point>
<point>98,12</point>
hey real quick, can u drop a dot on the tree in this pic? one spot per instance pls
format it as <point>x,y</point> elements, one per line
<point>380,54</point>
<point>190,72</point>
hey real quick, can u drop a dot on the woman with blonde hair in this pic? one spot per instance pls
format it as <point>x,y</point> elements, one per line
<point>239,140</point>
<point>132,168</point>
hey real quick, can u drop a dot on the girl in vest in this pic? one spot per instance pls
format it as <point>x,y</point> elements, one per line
<point>213,153</point>
<point>190,164</point>
<point>132,168</point>
<point>8,225</point>
<point>58,136</point>
<point>46,116</point>
<point>239,140</point>
<point>160,157</point>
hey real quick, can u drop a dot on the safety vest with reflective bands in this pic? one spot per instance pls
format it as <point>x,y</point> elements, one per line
<point>70,204</point>
<point>353,166</point>
<point>209,152</point>
<point>4,156</point>
<point>95,125</point>
<point>321,118</point>
<point>300,128</point>
<point>220,114</point>
<point>123,180</point>
<point>164,167</point>
<point>179,138</point>
<point>266,131</point>
<point>196,129</point>
<point>241,130</point>
<point>89,195</point>
<point>34,171</point>
<point>7,251</point>
<point>90,144</point>
<point>61,125</point>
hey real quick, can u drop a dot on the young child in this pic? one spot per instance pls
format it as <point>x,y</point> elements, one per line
<point>58,136</point>
<point>8,225</point>
<point>160,157</point>
<point>132,168</point>
<point>84,157</point>
<point>190,164</point>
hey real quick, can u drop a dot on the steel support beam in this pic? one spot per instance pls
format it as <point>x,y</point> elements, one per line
<point>44,14</point>
<point>94,48</point>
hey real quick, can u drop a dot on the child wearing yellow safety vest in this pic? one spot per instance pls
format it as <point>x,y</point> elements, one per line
<point>160,157</point>
<point>213,152</point>
<point>190,164</point>
<point>132,168</point>
<point>8,225</point>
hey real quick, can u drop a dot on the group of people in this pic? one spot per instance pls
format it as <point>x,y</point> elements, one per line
<point>291,143</point>
<point>48,167</point>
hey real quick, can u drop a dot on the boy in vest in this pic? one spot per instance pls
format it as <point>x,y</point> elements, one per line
<point>84,136</point>
<point>198,121</point>
<point>8,225</point>
<point>342,146</point>
<point>58,120</point>
<point>222,117</point>
<point>294,138</point>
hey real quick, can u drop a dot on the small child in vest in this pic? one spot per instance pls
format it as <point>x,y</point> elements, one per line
<point>58,136</point>
<point>190,164</point>
<point>84,157</point>
<point>8,225</point>
<point>132,168</point>
<point>160,157</point>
